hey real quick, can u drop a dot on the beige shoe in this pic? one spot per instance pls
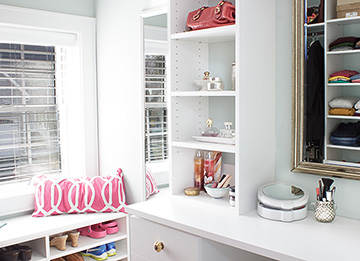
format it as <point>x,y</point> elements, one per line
<point>73,237</point>
<point>59,242</point>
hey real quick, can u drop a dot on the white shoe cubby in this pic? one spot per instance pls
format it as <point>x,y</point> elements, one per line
<point>36,233</point>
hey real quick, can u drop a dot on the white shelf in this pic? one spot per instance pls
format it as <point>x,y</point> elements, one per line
<point>118,256</point>
<point>316,25</point>
<point>314,28</point>
<point>344,52</point>
<point>342,163</point>
<point>345,21</point>
<point>211,35</point>
<point>343,147</point>
<point>218,140</point>
<point>35,256</point>
<point>202,93</point>
<point>221,204</point>
<point>343,84</point>
<point>340,117</point>
<point>204,146</point>
<point>86,242</point>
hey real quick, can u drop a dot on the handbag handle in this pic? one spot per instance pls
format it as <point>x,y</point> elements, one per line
<point>197,15</point>
<point>217,10</point>
<point>218,7</point>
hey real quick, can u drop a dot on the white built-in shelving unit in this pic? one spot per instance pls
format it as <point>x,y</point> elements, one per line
<point>250,43</point>
<point>334,28</point>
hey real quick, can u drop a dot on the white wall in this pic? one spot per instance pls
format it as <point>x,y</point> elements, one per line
<point>76,7</point>
<point>347,191</point>
<point>119,90</point>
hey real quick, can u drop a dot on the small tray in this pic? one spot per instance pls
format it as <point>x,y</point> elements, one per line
<point>215,139</point>
<point>202,84</point>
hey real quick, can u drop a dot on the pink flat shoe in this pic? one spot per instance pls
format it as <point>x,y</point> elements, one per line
<point>93,231</point>
<point>111,227</point>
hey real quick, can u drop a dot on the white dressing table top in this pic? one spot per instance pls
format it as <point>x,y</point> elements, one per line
<point>300,240</point>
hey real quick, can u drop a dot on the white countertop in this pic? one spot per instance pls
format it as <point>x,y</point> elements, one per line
<point>300,240</point>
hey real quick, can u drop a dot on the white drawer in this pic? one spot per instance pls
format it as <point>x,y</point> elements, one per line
<point>177,244</point>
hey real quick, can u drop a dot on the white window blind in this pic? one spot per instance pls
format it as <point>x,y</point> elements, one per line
<point>155,108</point>
<point>29,112</point>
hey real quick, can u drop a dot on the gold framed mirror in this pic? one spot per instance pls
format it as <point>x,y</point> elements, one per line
<point>335,161</point>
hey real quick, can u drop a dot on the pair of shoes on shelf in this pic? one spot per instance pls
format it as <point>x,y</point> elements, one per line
<point>72,257</point>
<point>16,252</point>
<point>101,252</point>
<point>100,230</point>
<point>59,240</point>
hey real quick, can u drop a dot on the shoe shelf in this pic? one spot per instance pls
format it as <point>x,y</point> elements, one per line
<point>86,242</point>
<point>118,256</point>
<point>36,233</point>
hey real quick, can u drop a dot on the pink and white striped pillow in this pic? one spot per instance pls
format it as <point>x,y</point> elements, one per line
<point>151,187</point>
<point>54,196</point>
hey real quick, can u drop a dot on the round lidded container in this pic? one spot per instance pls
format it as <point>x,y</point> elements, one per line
<point>282,201</point>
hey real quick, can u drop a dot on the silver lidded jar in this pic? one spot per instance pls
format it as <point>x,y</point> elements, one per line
<point>215,84</point>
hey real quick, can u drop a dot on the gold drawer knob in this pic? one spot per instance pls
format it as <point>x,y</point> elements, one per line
<point>158,246</point>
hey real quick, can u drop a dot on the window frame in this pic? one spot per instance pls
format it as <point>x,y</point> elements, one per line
<point>11,201</point>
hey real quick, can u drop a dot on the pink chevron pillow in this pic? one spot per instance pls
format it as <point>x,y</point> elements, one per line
<point>54,196</point>
<point>151,187</point>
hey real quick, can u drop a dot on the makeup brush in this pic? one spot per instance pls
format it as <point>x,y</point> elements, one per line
<point>327,183</point>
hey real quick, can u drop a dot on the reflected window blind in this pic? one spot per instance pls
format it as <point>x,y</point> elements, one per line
<point>29,117</point>
<point>155,108</point>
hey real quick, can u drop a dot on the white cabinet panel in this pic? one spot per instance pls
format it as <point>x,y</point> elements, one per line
<point>177,244</point>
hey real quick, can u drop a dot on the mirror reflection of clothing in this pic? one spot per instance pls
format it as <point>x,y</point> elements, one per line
<point>314,100</point>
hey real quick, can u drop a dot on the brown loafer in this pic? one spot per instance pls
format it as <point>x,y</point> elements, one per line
<point>74,257</point>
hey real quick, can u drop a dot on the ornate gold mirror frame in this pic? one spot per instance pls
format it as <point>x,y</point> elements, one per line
<point>298,163</point>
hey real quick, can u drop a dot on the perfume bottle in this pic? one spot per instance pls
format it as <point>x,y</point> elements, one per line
<point>206,76</point>
<point>210,131</point>
<point>209,167</point>
<point>199,170</point>
<point>227,132</point>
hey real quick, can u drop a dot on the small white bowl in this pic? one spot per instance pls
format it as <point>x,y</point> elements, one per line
<point>216,192</point>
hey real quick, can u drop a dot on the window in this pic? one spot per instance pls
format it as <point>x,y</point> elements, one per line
<point>29,113</point>
<point>52,99</point>
<point>155,108</point>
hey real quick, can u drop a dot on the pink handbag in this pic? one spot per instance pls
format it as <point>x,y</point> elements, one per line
<point>207,17</point>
